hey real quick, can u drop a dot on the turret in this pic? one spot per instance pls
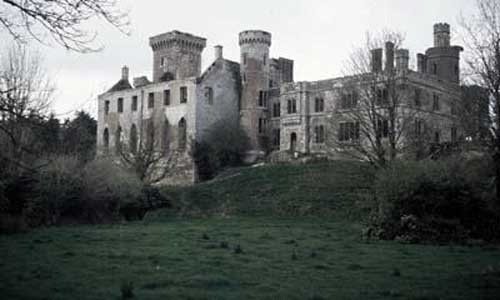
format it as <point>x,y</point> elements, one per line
<point>176,55</point>
<point>443,60</point>
<point>254,68</point>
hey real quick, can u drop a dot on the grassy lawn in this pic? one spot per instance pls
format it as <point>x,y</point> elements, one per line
<point>291,258</point>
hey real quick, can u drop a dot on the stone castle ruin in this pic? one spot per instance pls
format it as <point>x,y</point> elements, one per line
<point>259,94</point>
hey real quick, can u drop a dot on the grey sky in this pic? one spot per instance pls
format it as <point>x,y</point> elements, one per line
<point>317,34</point>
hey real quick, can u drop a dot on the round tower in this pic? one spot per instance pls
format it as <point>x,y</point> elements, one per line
<point>176,55</point>
<point>254,68</point>
<point>443,60</point>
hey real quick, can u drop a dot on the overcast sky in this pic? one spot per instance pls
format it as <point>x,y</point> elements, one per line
<point>317,34</point>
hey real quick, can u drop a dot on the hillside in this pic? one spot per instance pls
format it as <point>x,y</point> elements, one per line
<point>338,188</point>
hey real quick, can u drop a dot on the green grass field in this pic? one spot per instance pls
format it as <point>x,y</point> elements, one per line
<point>315,252</point>
<point>306,258</point>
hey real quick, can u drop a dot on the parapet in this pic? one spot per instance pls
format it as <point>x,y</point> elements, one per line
<point>177,38</point>
<point>255,36</point>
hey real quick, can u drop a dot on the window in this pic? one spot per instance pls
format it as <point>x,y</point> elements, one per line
<point>166,97</point>
<point>182,134</point>
<point>435,103</point>
<point>119,105</point>
<point>264,59</point>
<point>262,125</point>
<point>106,107</point>
<point>319,134</point>
<point>134,103</point>
<point>319,105</point>
<point>133,139</point>
<point>417,98</point>
<point>105,139</point>
<point>437,137</point>
<point>419,127</point>
<point>349,100</point>
<point>348,131</point>
<point>271,83</point>
<point>183,94</point>
<point>151,100</point>
<point>118,140</point>
<point>382,128</point>
<point>434,69</point>
<point>276,109</point>
<point>163,61</point>
<point>292,106</point>
<point>263,95</point>
<point>453,134</point>
<point>209,95</point>
<point>166,136</point>
<point>245,58</point>
<point>276,137</point>
<point>382,97</point>
<point>244,78</point>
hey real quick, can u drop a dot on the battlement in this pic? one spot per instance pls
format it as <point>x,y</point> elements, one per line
<point>442,28</point>
<point>179,39</point>
<point>441,35</point>
<point>255,36</point>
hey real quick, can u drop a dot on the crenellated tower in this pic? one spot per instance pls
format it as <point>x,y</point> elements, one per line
<point>442,60</point>
<point>254,70</point>
<point>176,55</point>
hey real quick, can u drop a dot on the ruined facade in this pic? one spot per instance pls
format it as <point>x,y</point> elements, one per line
<point>259,94</point>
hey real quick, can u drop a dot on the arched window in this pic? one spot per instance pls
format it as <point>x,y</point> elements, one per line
<point>166,136</point>
<point>293,142</point>
<point>133,139</point>
<point>118,140</point>
<point>182,134</point>
<point>105,138</point>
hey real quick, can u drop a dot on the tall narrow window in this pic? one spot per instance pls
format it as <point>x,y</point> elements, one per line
<point>292,106</point>
<point>276,109</point>
<point>382,128</point>
<point>319,105</point>
<point>166,97</point>
<point>119,107</point>
<point>182,134</point>
<point>435,103</point>
<point>319,134</point>
<point>134,103</point>
<point>183,94</point>
<point>209,95</point>
<point>166,136</point>
<point>276,137</point>
<point>118,140</point>
<point>262,125</point>
<point>106,107</point>
<point>244,58</point>
<point>133,139</point>
<point>264,59</point>
<point>417,97</point>
<point>105,139</point>
<point>434,69</point>
<point>151,100</point>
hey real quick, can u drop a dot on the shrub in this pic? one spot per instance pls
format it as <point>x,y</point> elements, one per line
<point>12,224</point>
<point>435,201</point>
<point>56,192</point>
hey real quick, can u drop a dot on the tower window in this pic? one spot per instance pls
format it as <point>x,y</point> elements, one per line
<point>120,105</point>
<point>106,107</point>
<point>292,106</point>
<point>209,95</point>
<point>151,100</point>
<point>244,58</point>
<point>434,69</point>
<point>166,97</point>
<point>183,95</point>
<point>163,62</point>
<point>134,103</point>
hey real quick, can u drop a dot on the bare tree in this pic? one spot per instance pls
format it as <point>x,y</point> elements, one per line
<point>25,96</point>
<point>373,115</point>
<point>481,33</point>
<point>63,20</point>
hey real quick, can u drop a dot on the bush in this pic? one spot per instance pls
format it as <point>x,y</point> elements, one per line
<point>436,201</point>
<point>12,224</point>
<point>223,146</point>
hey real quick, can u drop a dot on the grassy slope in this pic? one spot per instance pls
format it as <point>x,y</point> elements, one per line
<point>287,190</point>
<point>168,258</point>
<point>172,260</point>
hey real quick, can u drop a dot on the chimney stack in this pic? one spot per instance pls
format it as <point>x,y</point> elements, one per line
<point>441,35</point>
<point>402,59</point>
<point>389,56</point>
<point>376,60</point>
<point>421,63</point>
<point>218,52</point>
<point>125,72</point>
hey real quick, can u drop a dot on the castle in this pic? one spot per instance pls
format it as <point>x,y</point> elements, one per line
<point>259,94</point>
